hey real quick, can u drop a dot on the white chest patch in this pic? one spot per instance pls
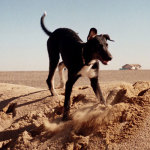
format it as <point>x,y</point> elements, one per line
<point>87,71</point>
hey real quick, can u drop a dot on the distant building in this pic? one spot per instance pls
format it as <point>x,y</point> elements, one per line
<point>131,67</point>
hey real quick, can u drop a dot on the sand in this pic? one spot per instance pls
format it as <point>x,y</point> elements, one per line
<point>30,118</point>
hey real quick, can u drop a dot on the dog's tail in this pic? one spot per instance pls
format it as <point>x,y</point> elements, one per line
<point>43,26</point>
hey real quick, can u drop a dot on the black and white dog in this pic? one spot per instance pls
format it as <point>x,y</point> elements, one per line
<point>81,59</point>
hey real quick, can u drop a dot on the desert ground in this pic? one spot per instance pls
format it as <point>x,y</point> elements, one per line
<point>31,119</point>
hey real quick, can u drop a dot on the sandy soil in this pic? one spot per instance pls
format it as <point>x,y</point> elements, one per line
<point>31,119</point>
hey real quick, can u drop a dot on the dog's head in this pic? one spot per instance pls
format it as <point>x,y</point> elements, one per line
<point>97,48</point>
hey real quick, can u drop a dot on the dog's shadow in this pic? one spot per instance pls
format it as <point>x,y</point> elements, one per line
<point>5,102</point>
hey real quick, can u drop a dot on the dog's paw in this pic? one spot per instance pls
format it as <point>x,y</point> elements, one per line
<point>61,86</point>
<point>55,94</point>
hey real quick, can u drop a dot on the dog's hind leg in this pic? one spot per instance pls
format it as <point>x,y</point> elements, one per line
<point>61,66</point>
<point>53,62</point>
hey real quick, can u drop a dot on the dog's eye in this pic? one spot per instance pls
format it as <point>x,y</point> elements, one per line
<point>106,44</point>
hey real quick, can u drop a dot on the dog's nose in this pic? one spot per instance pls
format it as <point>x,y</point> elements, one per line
<point>110,58</point>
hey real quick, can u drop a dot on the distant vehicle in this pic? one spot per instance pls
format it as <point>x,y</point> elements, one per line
<point>131,67</point>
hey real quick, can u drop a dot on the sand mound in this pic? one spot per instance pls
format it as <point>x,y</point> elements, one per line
<point>37,123</point>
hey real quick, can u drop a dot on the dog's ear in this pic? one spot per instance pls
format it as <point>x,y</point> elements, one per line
<point>92,33</point>
<point>107,37</point>
<point>90,37</point>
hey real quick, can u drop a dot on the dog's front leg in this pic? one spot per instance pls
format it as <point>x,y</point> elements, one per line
<point>68,90</point>
<point>97,89</point>
<point>95,85</point>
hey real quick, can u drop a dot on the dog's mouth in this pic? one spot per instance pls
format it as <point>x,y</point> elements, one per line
<point>105,62</point>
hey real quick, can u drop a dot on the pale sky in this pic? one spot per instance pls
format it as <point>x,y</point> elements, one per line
<point>23,42</point>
